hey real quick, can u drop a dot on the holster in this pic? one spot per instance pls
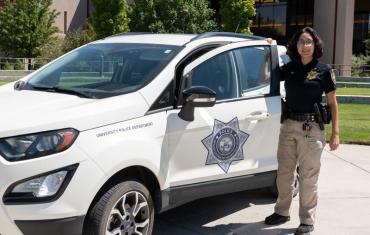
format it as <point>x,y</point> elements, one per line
<point>325,113</point>
<point>318,115</point>
<point>284,111</point>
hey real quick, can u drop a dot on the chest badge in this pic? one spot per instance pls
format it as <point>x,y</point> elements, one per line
<point>312,75</point>
<point>225,144</point>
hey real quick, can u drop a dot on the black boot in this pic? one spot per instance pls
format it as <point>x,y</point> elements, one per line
<point>304,229</point>
<point>276,219</point>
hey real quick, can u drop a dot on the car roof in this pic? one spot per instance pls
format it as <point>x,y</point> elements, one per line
<point>173,39</point>
<point>150,38</point>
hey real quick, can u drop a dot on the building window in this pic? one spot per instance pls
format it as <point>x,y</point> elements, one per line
<point>280,19</point>
<point>65,22</point>
<point>361,26</point>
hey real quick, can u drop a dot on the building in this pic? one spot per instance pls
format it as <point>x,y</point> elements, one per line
<point>342,24</point>
<point>73,13</point>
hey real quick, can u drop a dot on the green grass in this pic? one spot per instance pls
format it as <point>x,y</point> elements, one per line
<point>354,124</point>
<point>353,91</point>
<point>3,82</point>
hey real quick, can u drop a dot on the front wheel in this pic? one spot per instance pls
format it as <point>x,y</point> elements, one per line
<point>125,209</point>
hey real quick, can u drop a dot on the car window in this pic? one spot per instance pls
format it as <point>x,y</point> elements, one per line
<point>106,69</point>
<point>218,74</point>
<point>254,70</point>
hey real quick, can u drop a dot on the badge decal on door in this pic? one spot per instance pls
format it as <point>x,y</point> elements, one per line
<point>225,144</point>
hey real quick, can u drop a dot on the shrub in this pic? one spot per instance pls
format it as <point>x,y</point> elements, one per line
<point>18,65</point>
<point>8,66</point>
<point>358,64</point>
<point>39,62</point>
<point>81,36</point>
<point>52,49</point>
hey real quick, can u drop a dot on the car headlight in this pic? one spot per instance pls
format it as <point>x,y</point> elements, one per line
<point>25,147</point>
<point>42,188</point>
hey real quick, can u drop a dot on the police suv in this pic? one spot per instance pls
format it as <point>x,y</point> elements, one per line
<point>104,137</point>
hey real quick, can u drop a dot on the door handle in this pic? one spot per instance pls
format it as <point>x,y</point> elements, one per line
<point>258,115</point>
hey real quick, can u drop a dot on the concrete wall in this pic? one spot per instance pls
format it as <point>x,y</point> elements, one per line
<point>338,40</point>
<point>76,13</point>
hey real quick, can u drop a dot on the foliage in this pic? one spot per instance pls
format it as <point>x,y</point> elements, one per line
<point>39,62</point>
<point>81,36</point>
<point>25,25</point>
<point>236,14</point>
<point>172,16</point>
<point>8,66</point>
<point>109,17</point>
<point>18,65</point>
<point>52,49</point>
<point>367,46</point>
<point>358,64</point>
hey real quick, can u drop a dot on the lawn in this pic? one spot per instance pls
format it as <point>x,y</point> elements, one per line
<point>3,82</point>
<point>354,124</point>
<point>353,91</point>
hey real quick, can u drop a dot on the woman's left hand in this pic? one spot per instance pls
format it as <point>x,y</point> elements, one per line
<point>334,142</point>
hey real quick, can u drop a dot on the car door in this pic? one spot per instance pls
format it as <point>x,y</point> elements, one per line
<point>239,134</point>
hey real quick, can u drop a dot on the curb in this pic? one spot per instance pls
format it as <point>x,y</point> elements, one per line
<point>353,79</point>
<point>347,99</point>
<point>356,85</point>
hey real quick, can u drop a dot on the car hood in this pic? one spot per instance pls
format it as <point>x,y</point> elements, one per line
<point>23,112</point>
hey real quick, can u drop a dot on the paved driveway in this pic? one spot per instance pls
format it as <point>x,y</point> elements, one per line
<point>344,204</point>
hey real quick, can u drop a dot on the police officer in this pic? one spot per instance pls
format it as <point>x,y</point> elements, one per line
<point>301,139</point>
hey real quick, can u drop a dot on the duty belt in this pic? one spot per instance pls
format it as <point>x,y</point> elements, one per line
<point>302,117</point>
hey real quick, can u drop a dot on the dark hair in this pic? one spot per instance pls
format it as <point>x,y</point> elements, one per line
<point>292,45</point>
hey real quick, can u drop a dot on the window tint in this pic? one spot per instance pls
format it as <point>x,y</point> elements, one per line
<point>254,70</point>
<point>218,74</point>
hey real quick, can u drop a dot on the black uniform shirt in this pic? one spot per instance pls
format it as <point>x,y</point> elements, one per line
<point>305,84</point>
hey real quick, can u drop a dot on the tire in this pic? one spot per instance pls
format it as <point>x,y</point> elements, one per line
<point>275,192</point>
<point>126,208</point>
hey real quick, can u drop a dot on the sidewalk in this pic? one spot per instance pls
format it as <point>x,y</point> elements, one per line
<point>344,204</point>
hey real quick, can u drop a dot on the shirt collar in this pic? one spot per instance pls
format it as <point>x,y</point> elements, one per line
<point>310,65</point>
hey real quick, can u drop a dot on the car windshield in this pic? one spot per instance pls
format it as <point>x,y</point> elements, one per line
<point>104,70</point>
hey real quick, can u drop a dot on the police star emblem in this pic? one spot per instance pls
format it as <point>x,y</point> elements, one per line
<point>225,144</point>
<point>312,74</point>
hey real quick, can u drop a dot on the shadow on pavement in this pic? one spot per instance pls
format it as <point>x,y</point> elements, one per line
<point>192,218</point>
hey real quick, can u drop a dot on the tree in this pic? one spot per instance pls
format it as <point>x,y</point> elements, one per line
<point>25,25</point>
<point>84,34</point>
<point>236,14</point>
<point>172,16</point>
<point>109,17</point>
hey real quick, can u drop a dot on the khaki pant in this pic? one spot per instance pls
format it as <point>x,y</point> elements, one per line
<point>298,147</point>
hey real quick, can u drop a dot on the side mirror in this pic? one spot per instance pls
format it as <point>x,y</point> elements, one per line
<point>19,85</point>
<point>197,96</point>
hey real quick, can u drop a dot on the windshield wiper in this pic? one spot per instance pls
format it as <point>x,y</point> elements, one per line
<point>63,90</point>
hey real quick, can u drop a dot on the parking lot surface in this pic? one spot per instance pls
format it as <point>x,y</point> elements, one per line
<point>344,204</point>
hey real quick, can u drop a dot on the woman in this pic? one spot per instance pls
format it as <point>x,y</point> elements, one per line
<point>301,139</point>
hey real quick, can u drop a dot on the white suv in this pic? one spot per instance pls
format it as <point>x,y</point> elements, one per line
<point>104,137</point>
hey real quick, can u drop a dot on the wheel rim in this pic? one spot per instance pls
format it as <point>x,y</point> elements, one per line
<point>129,216</point>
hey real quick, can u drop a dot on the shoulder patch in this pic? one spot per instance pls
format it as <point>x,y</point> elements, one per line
<point>332,75</point>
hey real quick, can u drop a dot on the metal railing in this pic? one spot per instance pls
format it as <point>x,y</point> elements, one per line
<point>9,63</point>
<point>349,70</point>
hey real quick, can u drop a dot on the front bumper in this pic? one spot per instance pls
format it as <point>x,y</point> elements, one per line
<point>70,226</point>
<point>62,216</point>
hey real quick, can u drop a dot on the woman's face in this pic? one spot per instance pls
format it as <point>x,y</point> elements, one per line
<point>306,46</point>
